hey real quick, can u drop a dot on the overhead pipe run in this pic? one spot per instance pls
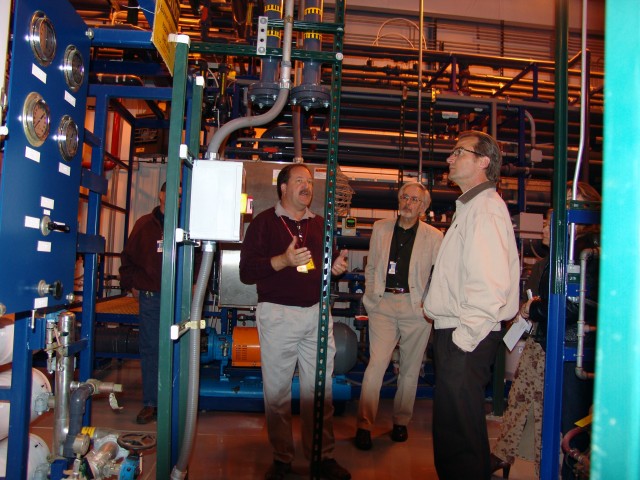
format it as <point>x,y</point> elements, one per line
<point>281,101</point>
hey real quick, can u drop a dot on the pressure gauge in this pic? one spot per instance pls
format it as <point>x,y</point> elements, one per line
<point>73,67</point>
<point>35,119</point>
<point>67,138</point>
<point>42,38</point>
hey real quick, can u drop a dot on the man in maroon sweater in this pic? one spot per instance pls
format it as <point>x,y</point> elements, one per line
<point>282,253</point>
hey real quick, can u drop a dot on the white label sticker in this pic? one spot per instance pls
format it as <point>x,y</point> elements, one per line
<point>44,246</point>
<point>32,154</point>
<point>70,98</point>
<point>41,302</point>
<point>31,222</point>
<point>46,202</point>
<point>38,73</point>
<point>64,168</point>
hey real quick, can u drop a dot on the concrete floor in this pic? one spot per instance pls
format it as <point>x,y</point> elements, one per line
<point>234,445</point>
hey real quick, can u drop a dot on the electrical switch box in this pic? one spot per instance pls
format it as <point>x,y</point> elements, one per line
<point>216,201</point>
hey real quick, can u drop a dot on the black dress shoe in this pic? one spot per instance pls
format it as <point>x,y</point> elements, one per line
<point>363,439</point>
<point>331,470</point>
<point>146,415</point>
<point>277,471</point>
<point>399,433</point>
<point>498,463</point>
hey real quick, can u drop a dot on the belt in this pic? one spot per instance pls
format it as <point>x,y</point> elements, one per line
<point>396,291</point>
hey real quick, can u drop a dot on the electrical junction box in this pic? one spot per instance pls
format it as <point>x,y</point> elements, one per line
<point>349,225</point>
<point>216,200</point>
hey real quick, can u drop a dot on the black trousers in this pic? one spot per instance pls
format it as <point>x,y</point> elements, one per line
<point>460,439</point>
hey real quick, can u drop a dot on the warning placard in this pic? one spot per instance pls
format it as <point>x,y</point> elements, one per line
<point>166,22</point>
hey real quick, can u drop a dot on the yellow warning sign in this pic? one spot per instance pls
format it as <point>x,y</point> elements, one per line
<point>165,22</point>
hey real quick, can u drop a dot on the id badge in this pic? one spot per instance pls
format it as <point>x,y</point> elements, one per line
<point>392,268</point>
<point>307,267</point>
<point>159,246</point>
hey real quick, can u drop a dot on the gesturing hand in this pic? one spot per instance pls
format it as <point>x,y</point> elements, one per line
<point>340,264</point>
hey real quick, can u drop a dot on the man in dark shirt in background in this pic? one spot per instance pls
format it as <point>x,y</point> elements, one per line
<point>141,274</point>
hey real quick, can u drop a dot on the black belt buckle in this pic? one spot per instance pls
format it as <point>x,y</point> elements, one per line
<point>395,290</point>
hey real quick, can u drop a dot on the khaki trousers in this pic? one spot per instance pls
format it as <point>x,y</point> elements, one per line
<point>392,323</point>
<point>289,337</point>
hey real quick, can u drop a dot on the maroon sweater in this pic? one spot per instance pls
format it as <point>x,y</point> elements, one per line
<point>267,237</point>
<point>141,263</point>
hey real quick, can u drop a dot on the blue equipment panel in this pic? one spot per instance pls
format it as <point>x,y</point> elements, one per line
<point>42,161</point>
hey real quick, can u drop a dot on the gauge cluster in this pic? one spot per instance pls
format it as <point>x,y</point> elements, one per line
<point>42,158</point>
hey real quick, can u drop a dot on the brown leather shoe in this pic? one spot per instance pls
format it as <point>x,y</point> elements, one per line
<point>147,414</point>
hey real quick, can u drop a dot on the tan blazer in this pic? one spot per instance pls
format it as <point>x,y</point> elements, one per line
<point>423,256</point>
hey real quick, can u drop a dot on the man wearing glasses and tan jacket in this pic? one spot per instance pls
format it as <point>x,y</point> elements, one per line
<point>401,254</point>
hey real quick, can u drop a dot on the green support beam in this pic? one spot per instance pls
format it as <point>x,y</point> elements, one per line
<point>169,257</point>
<point>616,427</point>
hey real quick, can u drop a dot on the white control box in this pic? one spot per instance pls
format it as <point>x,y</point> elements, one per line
<point>216,189</point>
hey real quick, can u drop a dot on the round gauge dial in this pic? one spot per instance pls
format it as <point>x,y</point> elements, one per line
<point>73,67</point>
<point>35,119</point>
<point>42,38</point>
<point>67,138</point>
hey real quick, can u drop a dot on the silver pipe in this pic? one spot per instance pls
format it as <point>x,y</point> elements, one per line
<point>65,335</point>
<point>532,122</point>
<point>583,117</point>
<point>583,328</point>
<point>419,127</point>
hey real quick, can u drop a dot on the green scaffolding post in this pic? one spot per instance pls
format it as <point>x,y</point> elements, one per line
<point>616,427</point>
<point>329,221</point>
<point>165,448</point>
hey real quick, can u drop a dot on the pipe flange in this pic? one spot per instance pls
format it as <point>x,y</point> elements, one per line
<point>310,96</point>
<point>263,94</point>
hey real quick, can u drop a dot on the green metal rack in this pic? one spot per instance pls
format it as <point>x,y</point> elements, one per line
<point>171,404</point>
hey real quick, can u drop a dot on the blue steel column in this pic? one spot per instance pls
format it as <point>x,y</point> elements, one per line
<point>93,230</point>
<point>616,427</point>
<point>557,270</point>
<point>166,451</point>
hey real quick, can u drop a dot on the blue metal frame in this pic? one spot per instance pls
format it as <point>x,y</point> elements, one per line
<point>36,180</point>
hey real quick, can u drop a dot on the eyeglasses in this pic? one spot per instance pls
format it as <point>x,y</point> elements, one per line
<point>408,199</point>
<point>456,152</point>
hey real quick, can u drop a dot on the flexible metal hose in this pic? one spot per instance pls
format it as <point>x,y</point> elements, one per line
<point>179,471</point>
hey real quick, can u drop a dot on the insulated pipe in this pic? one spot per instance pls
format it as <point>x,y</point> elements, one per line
<point>77,407</point>
<point>585,255</point>
<point>179,472</point>
<point>66,336</point>
<point>285,85</point>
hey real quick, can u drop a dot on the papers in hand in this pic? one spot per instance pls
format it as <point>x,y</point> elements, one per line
<point>516,331</point>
